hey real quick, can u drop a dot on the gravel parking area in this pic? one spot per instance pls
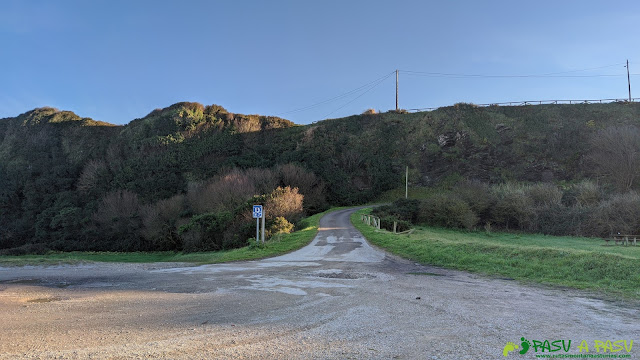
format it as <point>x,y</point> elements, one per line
<point>338,298</point>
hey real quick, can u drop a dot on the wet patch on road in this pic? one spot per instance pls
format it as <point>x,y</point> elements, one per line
<point>36,282</point>
<point>288,286</point>
<point>424,273</point>
<point>347,276</point>
<point>344,248</point>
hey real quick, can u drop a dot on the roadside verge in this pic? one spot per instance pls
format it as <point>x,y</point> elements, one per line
<point>278,245</point>
<point>525,257</point>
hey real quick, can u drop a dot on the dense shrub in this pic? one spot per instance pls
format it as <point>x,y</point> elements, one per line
<point>615,154</point>
<point>159,223</point>
<point>221,193</point>
<point>582,209</point>
<point>205,232</point>
<point>284,202</point>
<point>543,194</point>
<point>478,195</point>
<point>27,249</point>
<point>558,219</point>
<point>280,225</point>
<point>401,209</point>
<point>446,209</point>
<point>619,214</point>
<point>118,222</point>
<point>513,209</point>
<point>308,184</point>
<point>584,193</point>
<point>388,221</point>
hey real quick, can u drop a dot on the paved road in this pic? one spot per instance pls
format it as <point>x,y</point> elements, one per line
<point>336,298</point>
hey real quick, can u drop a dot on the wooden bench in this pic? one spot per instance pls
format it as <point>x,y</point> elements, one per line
<point>623,239</point>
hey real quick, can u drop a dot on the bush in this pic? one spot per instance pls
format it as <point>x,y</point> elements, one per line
<point>615,155</point>
<point>284,202</point>
<point>543,194</point>
<point>447,210</point>
<point>280,225</point>
<point>478,195</point>
<point>401,209</point>
<point>222,193</point>
<point>205,232</point>
<point>159,223</point>
<point>118,222</point>
<point>308,184</point>
<point>513,209</point>
<point>562,220</point>
<point>27,249</point>
<point>584,193</point>
<point>619,214</point>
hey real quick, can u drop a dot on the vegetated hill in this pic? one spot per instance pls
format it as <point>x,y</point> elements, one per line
<point>56,168</point>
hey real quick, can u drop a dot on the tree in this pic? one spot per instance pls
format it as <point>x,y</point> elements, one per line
<point>616,155</point>
<point>118,221</point>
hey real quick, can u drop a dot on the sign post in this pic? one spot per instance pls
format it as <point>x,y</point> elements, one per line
<point>257,214</point>
<point>264,216</point>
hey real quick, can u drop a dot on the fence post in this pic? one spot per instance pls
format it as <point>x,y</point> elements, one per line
<point>395,225</point>
<point>378,223</point>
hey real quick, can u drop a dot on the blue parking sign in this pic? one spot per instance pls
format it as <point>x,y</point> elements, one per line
<point>257,211</point>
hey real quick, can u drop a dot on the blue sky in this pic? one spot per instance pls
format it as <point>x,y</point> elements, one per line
<point>118,60</point>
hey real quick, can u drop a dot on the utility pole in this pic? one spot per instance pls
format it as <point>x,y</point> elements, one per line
<point>406,185</point>
<point>397,88</point>
<point>628,82</point>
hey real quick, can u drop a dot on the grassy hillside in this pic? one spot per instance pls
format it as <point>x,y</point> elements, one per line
<point>56,168</point>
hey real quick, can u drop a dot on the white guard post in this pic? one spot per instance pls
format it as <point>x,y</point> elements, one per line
<point>264,216</point>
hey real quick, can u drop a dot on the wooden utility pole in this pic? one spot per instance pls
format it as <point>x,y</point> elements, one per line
<point>406,185</point>
<point>628,82</point>
<point>396,90</point>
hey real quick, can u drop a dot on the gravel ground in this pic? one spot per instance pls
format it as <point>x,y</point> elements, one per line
<point>337,298</point>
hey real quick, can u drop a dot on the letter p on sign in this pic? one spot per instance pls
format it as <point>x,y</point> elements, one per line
<point>257,211</point>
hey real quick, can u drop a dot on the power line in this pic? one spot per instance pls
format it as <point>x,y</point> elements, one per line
<point>359,96</point>
<point>339,96</point>
<point>451,75</point>
<point>373,84</point>
<point>553,74</point>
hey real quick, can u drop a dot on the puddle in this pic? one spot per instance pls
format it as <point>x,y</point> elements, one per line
<point>348,276</point>
<point>22,282</point>
<point>424,273</point>
<point>60,285</point>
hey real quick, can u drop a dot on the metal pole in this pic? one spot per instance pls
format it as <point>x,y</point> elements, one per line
<point>263,217</point>
<point>257,230</point>
<point>628,80</point>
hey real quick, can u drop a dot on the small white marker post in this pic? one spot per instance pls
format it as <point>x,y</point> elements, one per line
<point>257,214</point>
<point>263,220</point>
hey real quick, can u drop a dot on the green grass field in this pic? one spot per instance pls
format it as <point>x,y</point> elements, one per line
<point>582,263</point>
<point>276,246</point>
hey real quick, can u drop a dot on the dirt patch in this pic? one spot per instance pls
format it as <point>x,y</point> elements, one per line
<point>44,300</point>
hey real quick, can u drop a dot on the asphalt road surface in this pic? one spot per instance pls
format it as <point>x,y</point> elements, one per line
<point>338,298</point>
